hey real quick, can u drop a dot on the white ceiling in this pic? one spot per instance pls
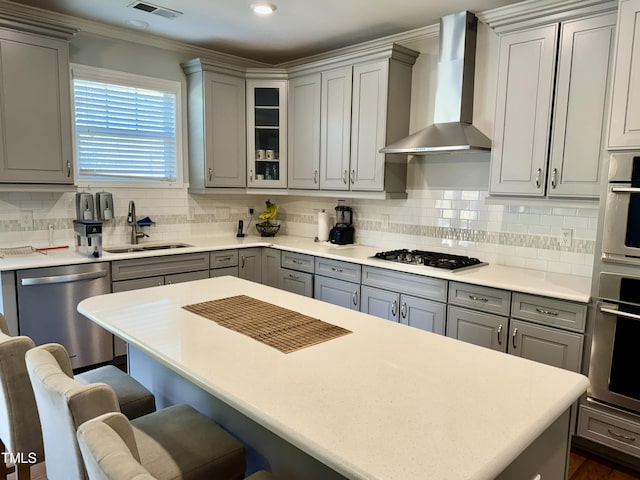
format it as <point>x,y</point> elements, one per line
<point>298,28</point>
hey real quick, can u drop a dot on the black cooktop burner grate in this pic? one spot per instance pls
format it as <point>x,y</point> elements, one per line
<point>430,259</point>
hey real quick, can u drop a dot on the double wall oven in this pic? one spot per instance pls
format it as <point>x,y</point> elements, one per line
<point>614,368</point>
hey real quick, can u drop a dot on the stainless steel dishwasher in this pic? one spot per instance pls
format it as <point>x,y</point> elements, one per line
<point>47,302</point>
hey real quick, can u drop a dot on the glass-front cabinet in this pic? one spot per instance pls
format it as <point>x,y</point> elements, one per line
<point>266,133</point>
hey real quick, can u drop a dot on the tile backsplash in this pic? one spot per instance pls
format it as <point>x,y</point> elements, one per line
<point>523,234</point>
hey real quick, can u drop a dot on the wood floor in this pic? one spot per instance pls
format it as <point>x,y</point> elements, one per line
<point>582,466</point>
<point>585,466</point>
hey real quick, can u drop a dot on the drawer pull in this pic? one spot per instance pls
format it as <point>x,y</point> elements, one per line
<point>224,259</point>
<point>335,269</point>
<point>296,262</point>
<point>478,299</point>
<point>294,277</point>
<point>500,334</point>
<point>547,312</point>
<point>621,437</point>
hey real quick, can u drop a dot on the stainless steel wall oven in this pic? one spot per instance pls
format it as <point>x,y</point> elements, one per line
<point>621,231</point>
<point>614,369</point>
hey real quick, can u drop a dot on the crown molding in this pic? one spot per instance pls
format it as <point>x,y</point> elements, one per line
<point>536,12</point>
<point>35,24</point>
<point>46,17</point>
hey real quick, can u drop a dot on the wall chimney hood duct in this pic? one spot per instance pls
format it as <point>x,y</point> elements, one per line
<point>452,130</point>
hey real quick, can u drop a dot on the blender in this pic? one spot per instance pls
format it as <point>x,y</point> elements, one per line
<point>342,233</point>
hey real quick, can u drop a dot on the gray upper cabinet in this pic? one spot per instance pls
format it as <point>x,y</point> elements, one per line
<point>35,110</point>
<point>335,128</point>
<point>217,126</point>
<point>524,132</point>
<point>523,111</point>
<point>304,132</point>
<point>584,72</point>
<point>624,127</point>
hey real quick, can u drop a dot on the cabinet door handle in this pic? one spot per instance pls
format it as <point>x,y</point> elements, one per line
<point>500,334</point>
<point>403,310</point>
<point>344,177</point>
<point>210,173</point>
<point>353,176</point>
<point>354,298</point>
<point>514,338</point>
<point>68,169</point>
<point>554,178</point>
<point>620,436</point>
<point>394,308</point>
<point>538,177</point>
<point>478,299</point>
<point>315,177</point>
<point>241,261</point>
<point>549,313</point>
<point>251,175</point>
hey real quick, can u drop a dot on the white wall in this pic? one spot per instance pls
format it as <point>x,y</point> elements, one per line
<point>447,206</point>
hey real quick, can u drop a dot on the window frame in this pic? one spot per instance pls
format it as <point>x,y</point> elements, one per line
<point>96,74</point>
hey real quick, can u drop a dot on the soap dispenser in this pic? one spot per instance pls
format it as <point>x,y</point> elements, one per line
<point>104,206</point>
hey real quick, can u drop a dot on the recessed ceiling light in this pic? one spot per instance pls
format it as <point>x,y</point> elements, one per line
<point>139,24</point>
<point>263,8</point>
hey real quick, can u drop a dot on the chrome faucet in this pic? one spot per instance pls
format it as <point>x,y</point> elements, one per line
<point>133,223</point>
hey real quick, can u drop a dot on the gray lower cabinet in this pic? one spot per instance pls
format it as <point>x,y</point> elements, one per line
<point>406,309</point>
<point>338,292</point>
<point>613,428</point>
<point>337,282</point>
<point>545,345</point>
<point>271,267</point>
<point>250,267</point>
<point>483,329</point>
<point>296,273</point>
<point>136,273</point>
<point>223,262</point>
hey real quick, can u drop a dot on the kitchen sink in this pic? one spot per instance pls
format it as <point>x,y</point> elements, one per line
<point>145,248</point>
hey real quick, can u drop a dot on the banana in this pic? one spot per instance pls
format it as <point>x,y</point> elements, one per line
<point>269,212</point>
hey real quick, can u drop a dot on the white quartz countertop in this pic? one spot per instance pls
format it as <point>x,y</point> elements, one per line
<point>385,402</point>
<point>556,285</point>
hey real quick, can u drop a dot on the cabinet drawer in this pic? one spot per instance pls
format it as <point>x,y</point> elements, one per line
<point>127,285</point>
<point>165,265</point>
<point>548,311</point>
<point>614,431</point>
<point>298,261</point>
<point>481,298</point>
<point>220,272</point>
<point>224,258</point>
<point>186,277</point>
<point>350,272</point>
<point>297,282</point>
<point>408,283</point>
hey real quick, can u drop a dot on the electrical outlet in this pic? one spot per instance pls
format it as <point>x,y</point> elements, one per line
<point>250,211</point>
<point>385,222</point>
<point>26,219</point>
<point>566,237</point>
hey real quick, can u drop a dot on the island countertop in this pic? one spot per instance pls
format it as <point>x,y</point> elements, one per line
<point>384,402</point>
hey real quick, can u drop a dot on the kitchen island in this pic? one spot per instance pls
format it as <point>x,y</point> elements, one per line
<point>383,402</point>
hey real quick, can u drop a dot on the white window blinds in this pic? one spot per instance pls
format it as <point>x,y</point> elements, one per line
<point>125,132</point>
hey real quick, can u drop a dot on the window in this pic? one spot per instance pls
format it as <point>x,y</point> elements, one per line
<point>127,127</point>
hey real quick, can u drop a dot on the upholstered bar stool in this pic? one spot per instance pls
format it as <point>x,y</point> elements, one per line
<point>19,422</point>
<point>110,451</point>
<point>20,433</point>
<point>173,443</point>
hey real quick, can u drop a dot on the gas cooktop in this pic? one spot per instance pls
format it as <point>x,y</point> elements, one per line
<point>430,259</point>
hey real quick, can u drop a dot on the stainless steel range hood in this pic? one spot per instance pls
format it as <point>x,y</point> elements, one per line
<point>452,130</point>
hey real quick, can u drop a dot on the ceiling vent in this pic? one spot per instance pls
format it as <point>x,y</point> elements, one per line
<point>156,10</point>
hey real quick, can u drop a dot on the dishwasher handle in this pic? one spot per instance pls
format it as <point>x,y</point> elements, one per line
<point>73,277</point>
